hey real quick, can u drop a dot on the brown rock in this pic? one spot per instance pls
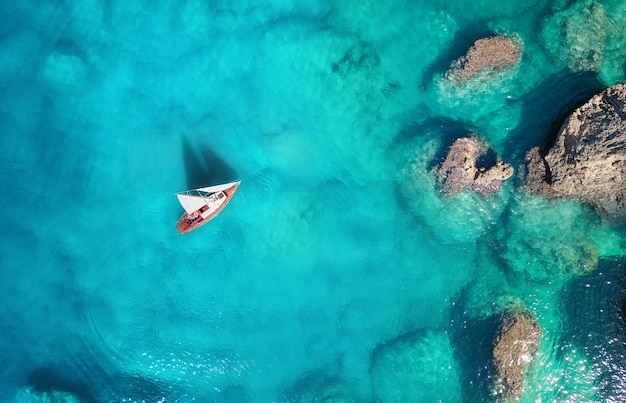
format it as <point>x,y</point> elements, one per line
<point>487,55</point>
<point>588,158</point>
<point>491,178</point>
<point>536,172</point>
<point>514,347</point>
<point>459,170</point>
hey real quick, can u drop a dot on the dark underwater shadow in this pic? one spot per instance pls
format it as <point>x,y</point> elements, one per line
<point>440,127</point>
<point>96,385</point>
<point>463,40</point>
<point>437,127</point>
<point>545,108</point>
<point>594,307</point>
<point>472,341</point>
<point>50,379</point>
<point>448,130</point>
<point>203,167</point>
<point>466,37</point>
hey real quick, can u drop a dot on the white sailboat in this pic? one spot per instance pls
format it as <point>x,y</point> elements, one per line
<point>203,204</point>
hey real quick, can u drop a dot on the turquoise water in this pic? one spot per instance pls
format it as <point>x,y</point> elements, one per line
<point>338,272</point>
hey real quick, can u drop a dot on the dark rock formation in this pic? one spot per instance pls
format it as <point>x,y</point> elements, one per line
<point>487,55</point>
<point>459,170</point>
<point>514,347</point>
<point>588,158</point>
<point>538,173</point>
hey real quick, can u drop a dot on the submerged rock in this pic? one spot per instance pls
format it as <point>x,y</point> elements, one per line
<point>416,368</point>
<point>487,55</point>
<point>577,35</point>
<point>30,395</point>
<point>459,170</point>
<point>533,246</point>
<point>588,158</point>
<point>514,348</point>
<point>319,386</point>
<point>458,220</point>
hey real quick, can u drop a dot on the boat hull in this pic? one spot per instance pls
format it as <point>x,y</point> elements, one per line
<point>189,222</point>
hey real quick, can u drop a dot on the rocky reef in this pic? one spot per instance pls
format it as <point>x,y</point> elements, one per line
<point>532,245</point>
<point>514,348</point>
<point>588,158</point>
<point>486,56</point>
<point>318,386</point>
<point>412,367</point>
<point>461,218</point>
<point>577,35</point>
<point>459,170</point>
<point>31,395</point>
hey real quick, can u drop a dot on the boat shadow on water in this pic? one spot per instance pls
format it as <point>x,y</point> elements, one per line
<point>203,167</point>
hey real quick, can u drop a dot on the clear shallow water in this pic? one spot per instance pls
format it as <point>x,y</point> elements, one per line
<point>338,271</point>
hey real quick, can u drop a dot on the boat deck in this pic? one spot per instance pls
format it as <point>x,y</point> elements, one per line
<point>215,204</point>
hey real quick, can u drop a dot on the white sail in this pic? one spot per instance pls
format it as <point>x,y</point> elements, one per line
<point>217,188</point>
<point>190,202</point>
<point>193,200</point>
